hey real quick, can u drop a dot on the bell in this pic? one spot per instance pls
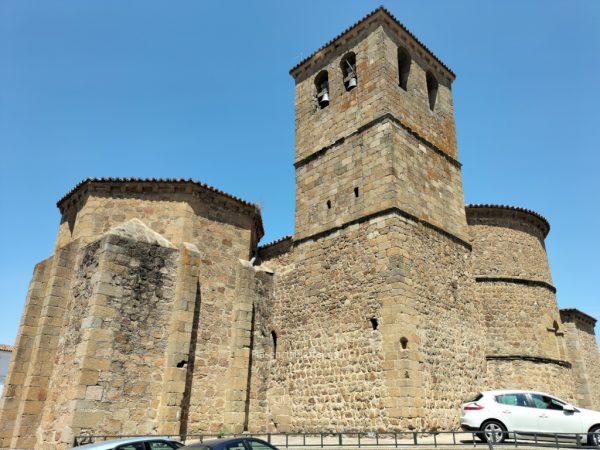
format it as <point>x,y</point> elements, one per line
<point>324,98</point>
<point>351,83</point>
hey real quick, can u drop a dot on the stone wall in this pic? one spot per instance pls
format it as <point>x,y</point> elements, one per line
<point>109,366</point>
<point>36,350</point>
<point>333,371</point>
<point>582,349</point>
<point>508,243</point>
<point>532,375</point>
<point>381,167</point>
<point>377,93</point>
<point>385,311</point>
<point>524,333</point>
<point>180,211</point>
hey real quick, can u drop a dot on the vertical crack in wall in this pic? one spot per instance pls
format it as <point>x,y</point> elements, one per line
<point>187,393</point>
<point>249,382</point>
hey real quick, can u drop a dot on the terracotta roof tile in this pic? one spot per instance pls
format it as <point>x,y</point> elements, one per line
<point>512,208</point>
<point>6,348</point>
<point>276,241</point>
<point>575,311</point>
<point>151,180</point>
<point>190,181</point>
<point>381,9</point>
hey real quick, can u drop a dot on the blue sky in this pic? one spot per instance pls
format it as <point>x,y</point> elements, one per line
<point>201,89</point>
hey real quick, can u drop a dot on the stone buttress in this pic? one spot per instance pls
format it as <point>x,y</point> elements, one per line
<point>140,322</point>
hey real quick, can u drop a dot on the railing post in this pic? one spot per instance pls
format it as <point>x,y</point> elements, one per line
<point>377,438</point>
<point>415,438</point>
<point>359,439</point>
<point>340,442</point>
<point>395,439</point>
<point>304,439</point>
<point>321,440</point>
<point>578,439</point>
<point>435,440</point>
<point>454,437</point>
<point>556,439</point>
<point>286,440</point>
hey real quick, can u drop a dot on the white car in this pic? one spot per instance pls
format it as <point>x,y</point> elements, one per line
<point>134,443</point>
<point>494,414</point>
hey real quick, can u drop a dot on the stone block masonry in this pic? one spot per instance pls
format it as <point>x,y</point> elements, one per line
<point>391,304</point>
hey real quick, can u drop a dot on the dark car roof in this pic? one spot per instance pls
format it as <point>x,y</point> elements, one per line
<point>217,443</point>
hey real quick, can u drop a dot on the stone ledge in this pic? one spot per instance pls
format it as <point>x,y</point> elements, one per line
<point>534,359</point>
<point>536,283</point>
<point>384,212</point>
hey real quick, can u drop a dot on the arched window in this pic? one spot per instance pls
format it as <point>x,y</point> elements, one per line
<point>348,66</point>
<point>322,85</point>
<point>274,342</point>
<point>403,68</point>
<point>432,89</point>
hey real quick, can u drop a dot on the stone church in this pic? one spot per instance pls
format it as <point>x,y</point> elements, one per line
<point>159,312</point>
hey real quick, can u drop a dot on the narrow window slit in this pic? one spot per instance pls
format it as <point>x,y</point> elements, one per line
<point>403,343</point>
<point>274,339</point>
<point>328,204</point>
<point>374,323</point>
<point>356,192</point>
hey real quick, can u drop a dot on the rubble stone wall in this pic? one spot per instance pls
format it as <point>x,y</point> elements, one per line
<point>333,371</point>
<point>531,375</point>
<point>582,349</point>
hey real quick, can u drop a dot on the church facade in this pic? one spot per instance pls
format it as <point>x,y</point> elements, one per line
<point>391,304</point>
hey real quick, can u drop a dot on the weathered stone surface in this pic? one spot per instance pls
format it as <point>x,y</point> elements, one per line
<point>390,305</point>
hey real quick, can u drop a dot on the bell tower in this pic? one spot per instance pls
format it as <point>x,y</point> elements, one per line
<point>375,131</point>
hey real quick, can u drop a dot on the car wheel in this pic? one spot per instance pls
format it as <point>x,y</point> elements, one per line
<point>594,439</point>
<point>493,431</point>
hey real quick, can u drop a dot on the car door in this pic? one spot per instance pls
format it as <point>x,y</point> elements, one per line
<point>552,418</point>
<point>516,413</point>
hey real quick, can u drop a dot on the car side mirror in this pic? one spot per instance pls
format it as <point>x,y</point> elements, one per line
<point>569,408</point>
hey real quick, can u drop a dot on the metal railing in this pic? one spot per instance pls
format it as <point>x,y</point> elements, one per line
<point>392,439</point>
